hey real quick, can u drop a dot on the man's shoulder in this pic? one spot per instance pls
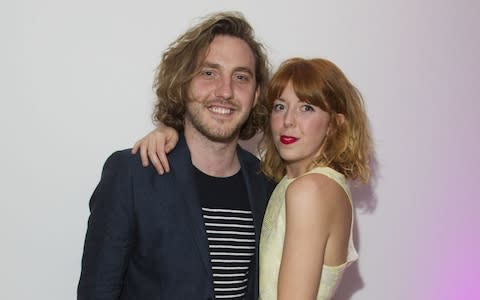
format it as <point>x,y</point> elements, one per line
<point>124,159</point>
<point>124,155</point>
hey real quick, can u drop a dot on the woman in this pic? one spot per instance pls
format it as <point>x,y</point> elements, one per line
<point>317,140</point>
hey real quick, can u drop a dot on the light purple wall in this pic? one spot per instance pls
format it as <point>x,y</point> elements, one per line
<point>76,85</point>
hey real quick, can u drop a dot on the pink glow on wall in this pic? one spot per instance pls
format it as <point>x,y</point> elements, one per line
<point>450,244</point>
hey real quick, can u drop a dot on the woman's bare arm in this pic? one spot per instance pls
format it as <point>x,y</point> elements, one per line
<point>313,204</point>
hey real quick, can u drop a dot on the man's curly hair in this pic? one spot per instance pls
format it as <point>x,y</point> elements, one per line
<point>182,59</point>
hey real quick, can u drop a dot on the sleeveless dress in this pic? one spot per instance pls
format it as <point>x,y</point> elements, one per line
<point>273,234</point>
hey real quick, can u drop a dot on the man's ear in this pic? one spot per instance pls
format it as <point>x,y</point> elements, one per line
<point>257,93</point>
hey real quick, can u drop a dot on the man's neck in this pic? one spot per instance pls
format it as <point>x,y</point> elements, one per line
<point>218,159</point>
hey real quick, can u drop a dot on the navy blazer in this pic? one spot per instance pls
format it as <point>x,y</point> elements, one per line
<point>146,236</point>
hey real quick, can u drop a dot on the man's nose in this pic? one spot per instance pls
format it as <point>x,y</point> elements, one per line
<point>224,88</point>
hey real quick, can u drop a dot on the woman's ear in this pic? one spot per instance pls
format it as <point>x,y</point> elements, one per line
<point>340,118</point>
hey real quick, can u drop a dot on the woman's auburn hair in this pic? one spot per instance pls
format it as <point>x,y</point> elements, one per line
<point>348,145</point>
<point>181,62</point>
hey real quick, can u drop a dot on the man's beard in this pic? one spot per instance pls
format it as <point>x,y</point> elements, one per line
<point>215,132</point>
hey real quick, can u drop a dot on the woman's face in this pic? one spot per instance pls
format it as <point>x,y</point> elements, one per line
<point>298,130</point>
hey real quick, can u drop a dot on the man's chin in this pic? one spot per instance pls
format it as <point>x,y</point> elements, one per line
<point>219,132</point>
<point>221,136</point>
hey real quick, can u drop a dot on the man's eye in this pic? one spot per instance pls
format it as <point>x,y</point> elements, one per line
<point>241,77</point>
<point>207,73</point>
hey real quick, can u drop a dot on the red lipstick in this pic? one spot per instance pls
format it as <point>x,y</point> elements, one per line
<point>286,140</point>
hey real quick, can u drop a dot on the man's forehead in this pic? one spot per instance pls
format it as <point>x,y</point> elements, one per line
<point>228,50</point>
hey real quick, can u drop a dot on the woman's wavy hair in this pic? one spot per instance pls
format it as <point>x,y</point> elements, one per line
<point>182,59</point>
<point>348,145</point>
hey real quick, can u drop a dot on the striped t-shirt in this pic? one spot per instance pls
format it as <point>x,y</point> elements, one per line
<point>230,232</point>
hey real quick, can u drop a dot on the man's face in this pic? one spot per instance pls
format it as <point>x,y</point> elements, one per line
<point>223,92</point>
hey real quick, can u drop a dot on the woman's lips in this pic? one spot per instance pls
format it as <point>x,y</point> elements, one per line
<point>286,140</point>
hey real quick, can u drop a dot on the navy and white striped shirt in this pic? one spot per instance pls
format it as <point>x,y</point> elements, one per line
<point>230,232</point>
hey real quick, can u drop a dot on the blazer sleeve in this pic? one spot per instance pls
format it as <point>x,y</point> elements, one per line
<point>110,232</point>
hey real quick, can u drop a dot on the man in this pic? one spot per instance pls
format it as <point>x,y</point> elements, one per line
<point>193,232</point>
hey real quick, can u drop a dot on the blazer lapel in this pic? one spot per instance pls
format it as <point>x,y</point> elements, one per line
<point>257,196</point>
<point>252,184</point>
<point>182,169</point>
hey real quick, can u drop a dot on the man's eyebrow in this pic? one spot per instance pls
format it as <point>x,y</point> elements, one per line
<point>245,69</point>
<point>212,65</point>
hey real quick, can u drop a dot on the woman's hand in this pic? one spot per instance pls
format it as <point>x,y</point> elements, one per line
<point>155,146</point>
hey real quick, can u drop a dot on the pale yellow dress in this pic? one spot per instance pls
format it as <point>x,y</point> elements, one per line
<point>273,233</point>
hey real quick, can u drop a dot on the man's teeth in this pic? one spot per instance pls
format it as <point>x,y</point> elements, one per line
<point>220,110</point>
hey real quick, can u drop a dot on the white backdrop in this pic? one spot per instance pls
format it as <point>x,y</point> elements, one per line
<point>76,85</point>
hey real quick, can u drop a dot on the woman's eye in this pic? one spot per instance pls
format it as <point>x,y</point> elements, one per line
<point>307,107</point>
<point>278,107</point>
